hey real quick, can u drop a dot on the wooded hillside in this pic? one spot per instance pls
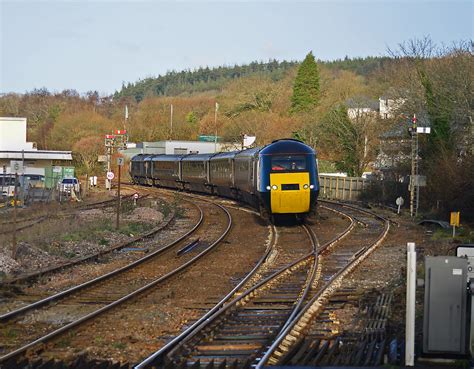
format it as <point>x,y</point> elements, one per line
<point>269,100</point>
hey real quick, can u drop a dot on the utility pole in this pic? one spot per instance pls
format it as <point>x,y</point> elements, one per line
<point>215,126</point>
<point>171,121</point>
<point>126,118</point>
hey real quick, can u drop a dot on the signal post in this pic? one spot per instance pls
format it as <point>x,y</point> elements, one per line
<point>113,142</point>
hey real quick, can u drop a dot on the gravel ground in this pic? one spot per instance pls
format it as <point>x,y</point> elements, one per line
<point>165,312</point>
<point>384,271</point>
<point>59,240</point>
<point>136,330</point>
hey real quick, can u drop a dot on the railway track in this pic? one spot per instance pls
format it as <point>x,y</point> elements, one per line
<point>326,345</point>
<point>34,276</point>
<point>271,301</point>
<point>84,302</point>
<point>302,339</point>
<point>239,332</point>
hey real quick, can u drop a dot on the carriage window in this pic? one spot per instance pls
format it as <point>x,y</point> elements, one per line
<point>288,163</point>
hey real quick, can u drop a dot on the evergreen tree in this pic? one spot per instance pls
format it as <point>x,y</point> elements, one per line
<point>306,87</point>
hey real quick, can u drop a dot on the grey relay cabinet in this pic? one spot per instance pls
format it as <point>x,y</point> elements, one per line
<point>445,318</point>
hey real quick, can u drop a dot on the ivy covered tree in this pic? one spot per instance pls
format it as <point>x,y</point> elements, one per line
<point>351,141</point>
<point>306,87</point>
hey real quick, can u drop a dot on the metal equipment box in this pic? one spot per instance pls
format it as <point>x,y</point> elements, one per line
<point>445,326</point>
<point>467,250</point>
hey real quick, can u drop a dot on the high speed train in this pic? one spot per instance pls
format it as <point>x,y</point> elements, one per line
<point>280,178</point>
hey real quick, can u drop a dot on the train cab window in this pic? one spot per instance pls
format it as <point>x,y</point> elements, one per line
<point>288,163</point>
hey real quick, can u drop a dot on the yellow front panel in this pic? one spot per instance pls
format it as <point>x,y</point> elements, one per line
<point>289,201</point>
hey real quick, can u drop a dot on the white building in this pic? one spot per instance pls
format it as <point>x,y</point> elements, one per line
<point>388,106</point>
<point>18,155</point>
<point>360,107</point>
<point>385,107</point>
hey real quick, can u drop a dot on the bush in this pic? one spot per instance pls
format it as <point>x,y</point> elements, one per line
<point>385,192</point>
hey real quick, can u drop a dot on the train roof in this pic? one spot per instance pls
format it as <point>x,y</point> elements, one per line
<point>142,157</point>
<point>248,152</point>
<point>163,157</point>
<point>286,146</point>
<point>224,155</point>
<point>197,157</point>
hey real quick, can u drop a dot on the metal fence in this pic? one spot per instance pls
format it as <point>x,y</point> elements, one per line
<point>342,188</point>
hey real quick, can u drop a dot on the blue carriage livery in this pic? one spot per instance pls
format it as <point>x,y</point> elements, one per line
<point>279,178</point>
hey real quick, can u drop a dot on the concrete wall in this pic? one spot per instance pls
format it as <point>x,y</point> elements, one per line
<point>13,134</point>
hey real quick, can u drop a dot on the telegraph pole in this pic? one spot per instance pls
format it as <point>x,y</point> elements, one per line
<point>171,121</point>
<point>215,126</point>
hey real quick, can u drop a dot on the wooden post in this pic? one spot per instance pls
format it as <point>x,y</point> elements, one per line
<point>344,188</point>
<point>118,198</point>
<point>350,190</point>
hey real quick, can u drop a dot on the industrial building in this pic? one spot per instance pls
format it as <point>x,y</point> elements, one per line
<point>176,147</point>
<point>17,155</point>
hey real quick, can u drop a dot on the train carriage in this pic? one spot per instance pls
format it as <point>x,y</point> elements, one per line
<point>245,172</point>
<point>147,163</point>
<point>280,178</point>
<point>221,174</point>
<point>140,168</point>
<point>195,172</point>
<point>167,170</point>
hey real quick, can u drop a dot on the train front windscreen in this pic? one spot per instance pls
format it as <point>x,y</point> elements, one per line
<point>288,163</point>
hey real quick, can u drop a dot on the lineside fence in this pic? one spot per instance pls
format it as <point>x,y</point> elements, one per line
<point>342,188</point>
<point>383,192</point>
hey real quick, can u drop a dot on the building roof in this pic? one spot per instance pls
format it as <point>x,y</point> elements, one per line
<point>36,154</point>
<point>362,103</point>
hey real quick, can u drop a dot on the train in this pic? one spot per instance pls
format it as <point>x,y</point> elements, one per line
<point>279,178</point>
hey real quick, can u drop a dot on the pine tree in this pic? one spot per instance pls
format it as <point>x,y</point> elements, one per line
<point>306,87</point>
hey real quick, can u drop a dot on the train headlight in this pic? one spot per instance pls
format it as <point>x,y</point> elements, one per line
<point>311,186</point>
<point>305,186</point>
<point>274,187</point>
<point>268,188</point>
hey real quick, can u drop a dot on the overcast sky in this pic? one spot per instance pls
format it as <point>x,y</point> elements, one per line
<point>95,45</point>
